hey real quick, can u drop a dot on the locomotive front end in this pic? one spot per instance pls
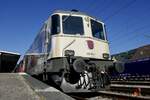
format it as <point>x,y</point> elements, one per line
<point>79,51</point>
<point>71,52</point>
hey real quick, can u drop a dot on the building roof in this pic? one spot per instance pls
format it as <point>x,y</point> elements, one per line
<point>134,54</point>
<point>8,61</point>
<point>141,53</point>
<point>1,51</point>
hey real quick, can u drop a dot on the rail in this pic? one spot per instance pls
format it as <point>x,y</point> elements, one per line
<point>124,90</point>
<point>106,95</point>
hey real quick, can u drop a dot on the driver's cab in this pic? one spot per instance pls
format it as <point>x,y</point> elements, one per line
<point>71,28</point>
<point>76,23</point>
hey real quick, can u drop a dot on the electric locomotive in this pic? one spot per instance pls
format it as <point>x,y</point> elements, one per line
<point>71,52</point>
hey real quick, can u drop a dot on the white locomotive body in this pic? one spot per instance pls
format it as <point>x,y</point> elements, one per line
<point>78,37</point>
<point>71,49</point>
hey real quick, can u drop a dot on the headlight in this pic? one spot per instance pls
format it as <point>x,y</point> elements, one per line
<point>69,53</point>
<point>105,55</point>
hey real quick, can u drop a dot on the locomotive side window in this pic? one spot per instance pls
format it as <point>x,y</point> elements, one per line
<point>72,25</point>
<point>97,30</point>
<point>55,24</point>
<point>38,44</point>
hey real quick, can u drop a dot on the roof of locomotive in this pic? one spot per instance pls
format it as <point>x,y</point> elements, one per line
<point>76,12</point>
<point>72,12</point>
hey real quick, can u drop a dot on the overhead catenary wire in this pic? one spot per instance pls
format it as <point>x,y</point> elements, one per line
<point>121,36</point>
<point>119,10</point>
<point>127,25</point>
<point>147,36</point>
<point>93,6</point>
<point>137,30</point>
<point>127,40</point>
<point>131,41</point>
<point>132,31</point>
<point>127,5</point>
<point>130,45</point>
<point>105,7</point>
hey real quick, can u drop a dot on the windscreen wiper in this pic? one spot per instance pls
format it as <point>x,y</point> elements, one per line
<point>67,17</point>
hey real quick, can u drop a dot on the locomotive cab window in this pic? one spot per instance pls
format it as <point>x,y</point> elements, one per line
<point>55,24</point>
<point>72,25</point>
<point>97,30</point>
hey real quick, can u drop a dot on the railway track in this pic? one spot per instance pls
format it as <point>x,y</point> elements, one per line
<point>132,87</point>
<point>119,90</point>
<point>132,82</point>
<point>106,95</point>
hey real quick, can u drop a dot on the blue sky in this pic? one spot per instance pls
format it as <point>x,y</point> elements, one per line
<point>127,21</point>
